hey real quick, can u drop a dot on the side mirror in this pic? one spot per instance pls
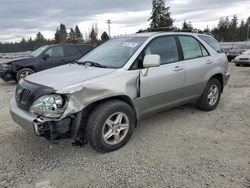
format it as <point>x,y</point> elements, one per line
<point>151,61</point>
<point>45,56</point>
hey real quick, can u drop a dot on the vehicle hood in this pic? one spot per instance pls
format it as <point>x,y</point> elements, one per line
<point>18,60</point>
<point>242,56</point>
<point>67,75</point>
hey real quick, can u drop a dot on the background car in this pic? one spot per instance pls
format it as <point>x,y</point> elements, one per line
<point>234,52</point>
<point>43,58</point>
<point>243,59</point>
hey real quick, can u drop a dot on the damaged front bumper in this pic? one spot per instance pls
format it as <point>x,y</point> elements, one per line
<point>5,74</point>
<point>51,129</point>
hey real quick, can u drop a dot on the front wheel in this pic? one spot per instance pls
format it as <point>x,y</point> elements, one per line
<point>211,95</point>
<point>110,126</point>
<point>23,73</point>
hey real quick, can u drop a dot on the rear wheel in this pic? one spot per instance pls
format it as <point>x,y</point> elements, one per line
<point>211,95</point>
<point>110,126</point>
<point>23,73</point>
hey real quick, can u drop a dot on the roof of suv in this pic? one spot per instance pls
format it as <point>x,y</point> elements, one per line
<point>69,45</point>
<point>150,34</point>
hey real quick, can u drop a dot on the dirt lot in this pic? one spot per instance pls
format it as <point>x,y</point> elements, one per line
<point>183,147</point>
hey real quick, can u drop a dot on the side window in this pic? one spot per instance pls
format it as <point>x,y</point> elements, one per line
<point>191,47</point>
<point>212,42</point>
<point>56,51</point>
<point>71,51</point>
<point>166,47</point>
<point>204,51</point>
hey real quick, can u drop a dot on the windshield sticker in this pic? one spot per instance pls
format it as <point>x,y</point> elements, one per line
<point>130,44</point>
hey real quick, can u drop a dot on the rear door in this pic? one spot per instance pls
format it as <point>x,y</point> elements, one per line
<point>53,57</point>
<point>197,63</point>
<point>162,86</point>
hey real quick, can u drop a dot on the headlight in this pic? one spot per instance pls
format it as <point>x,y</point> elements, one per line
<point>6,66</point>
<point>51,106</point>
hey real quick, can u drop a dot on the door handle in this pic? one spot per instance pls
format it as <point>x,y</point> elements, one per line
<point>209,62</point>
<point>178,68</point>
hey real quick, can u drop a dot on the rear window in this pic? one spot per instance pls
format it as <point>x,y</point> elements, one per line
<point>212,43</point>
<point>71,51</point>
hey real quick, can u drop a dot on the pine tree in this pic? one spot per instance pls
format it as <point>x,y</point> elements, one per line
<point>72,36</point>
<point>104,36</point>
<point>40,40</point>
<point>187,26</point>
<point>160,16</point>
<point>57,36</point>
<point>232,29</point>
<point>93,35</point>
<point>78,35</point>
<point>63,34</point>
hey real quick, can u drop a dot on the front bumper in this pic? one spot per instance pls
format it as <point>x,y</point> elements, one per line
<point>5,74</point>
<point>49,128</point>
<point>242,62</point>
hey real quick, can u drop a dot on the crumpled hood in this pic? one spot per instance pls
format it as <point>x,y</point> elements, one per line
<point>67,75</point>
<point>10,61</point>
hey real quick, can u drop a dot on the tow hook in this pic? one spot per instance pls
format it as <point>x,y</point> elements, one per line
<point>38,127</point>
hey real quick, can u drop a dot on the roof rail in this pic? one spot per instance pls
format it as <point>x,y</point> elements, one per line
<point>177,29</point>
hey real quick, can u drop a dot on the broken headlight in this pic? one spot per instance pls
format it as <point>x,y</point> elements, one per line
<point>6,66</point>
<point>51,106</point>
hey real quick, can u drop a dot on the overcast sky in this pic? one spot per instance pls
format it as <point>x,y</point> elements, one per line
<point>24,18</point>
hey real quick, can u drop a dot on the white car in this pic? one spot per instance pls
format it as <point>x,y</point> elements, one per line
<point>243,59</point>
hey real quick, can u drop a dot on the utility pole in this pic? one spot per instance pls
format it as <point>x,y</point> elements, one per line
<point>248,32</point>
<point>109,22</point>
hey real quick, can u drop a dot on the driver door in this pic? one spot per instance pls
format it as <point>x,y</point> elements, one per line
<point>53,57</point>
<point>162,86</point>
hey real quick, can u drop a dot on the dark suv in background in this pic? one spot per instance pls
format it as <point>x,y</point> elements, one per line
<point>43,58</point>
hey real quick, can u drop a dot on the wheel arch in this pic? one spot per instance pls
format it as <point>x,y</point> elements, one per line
<point>89,108</point>
<point>219,77</point>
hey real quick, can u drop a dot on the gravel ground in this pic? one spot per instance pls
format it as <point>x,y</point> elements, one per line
<point>183,147</point>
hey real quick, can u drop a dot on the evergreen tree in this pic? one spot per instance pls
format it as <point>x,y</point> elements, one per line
<point>78,34</point>
<point>63,34</point>
<point>232,29</point>
<point>40,40</point>
<point>93,35</point>
<point>57,36</point>
<point>104,37</point>
<point>72,36</point>
<point>160,16</point>
<point>187,26</point>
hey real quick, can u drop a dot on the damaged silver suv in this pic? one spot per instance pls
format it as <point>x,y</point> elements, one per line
<point>100,98</point>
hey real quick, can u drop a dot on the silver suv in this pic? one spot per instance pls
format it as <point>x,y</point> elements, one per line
<point>99,98</point>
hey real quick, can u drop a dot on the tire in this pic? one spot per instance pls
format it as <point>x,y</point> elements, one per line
<point>103,128</point>
<point>206,104</point>
<point>23,73</point>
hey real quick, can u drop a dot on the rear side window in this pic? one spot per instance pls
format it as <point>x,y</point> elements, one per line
<point>191,47</point>
<point>166,48</point>
<point>71,51</point>
<point>56,51</point>
<point>212,43</point>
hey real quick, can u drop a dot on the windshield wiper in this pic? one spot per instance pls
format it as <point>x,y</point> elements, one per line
<point>91,63</point>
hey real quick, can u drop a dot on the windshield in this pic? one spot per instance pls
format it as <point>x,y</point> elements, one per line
<point>115,53</point>
<point>38,51</point>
